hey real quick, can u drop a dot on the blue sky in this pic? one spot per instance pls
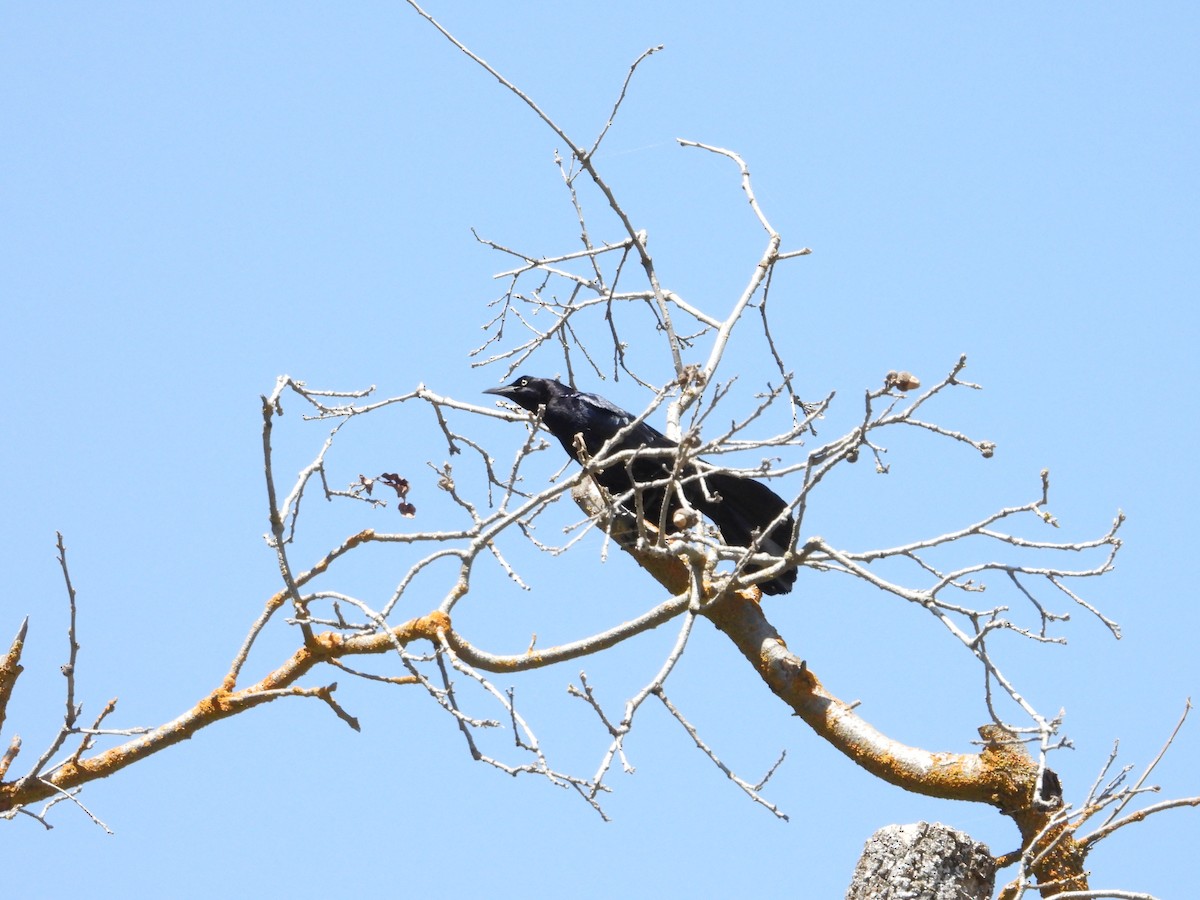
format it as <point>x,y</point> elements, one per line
<point>200,197</point>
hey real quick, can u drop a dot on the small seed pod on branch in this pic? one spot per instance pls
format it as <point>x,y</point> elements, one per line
<point>685,518</point>
<point>901,381</point>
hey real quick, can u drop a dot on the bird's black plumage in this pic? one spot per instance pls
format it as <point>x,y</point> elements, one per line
<point>747,512</point>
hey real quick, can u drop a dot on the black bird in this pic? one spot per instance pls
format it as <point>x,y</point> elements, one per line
<point>742,508</point>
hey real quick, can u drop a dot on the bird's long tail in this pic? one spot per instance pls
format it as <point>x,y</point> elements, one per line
<point>743,509</point>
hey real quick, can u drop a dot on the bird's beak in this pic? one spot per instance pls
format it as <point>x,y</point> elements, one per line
<point>504,391</point>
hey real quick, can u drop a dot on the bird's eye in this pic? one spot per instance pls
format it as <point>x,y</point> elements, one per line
<point>524,382</point>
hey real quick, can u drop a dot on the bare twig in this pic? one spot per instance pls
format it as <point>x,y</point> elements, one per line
<point>751,790</point>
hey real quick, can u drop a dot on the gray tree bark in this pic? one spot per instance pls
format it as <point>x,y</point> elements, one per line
<point>923,862</point>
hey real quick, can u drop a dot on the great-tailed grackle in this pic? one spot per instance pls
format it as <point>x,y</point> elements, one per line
<point>742,508</point>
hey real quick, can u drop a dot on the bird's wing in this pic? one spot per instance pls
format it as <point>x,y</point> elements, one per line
<point>607,406</point>
<point>643,434</point>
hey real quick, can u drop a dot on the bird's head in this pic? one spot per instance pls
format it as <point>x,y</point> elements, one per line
<point>527,391</point>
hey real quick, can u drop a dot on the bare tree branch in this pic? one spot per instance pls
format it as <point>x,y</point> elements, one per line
<point>578,308</point>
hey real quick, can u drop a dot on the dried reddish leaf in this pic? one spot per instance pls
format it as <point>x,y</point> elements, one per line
<point>396,483</point>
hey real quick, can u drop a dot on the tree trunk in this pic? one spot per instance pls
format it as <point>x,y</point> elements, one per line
<point>923,862</point>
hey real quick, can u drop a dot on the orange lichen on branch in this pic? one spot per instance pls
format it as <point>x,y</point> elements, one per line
<point>996,776</point>
<point>1047,837</point>
<point>222,703</point>
<point>11,668</point>
<point>1002,774</point>
<point>319,568</point>
<point>937,774</point>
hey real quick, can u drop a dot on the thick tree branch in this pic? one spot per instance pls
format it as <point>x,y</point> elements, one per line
<point>1002,774</point>
<point>221,704</point>
<point>11,669</point>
